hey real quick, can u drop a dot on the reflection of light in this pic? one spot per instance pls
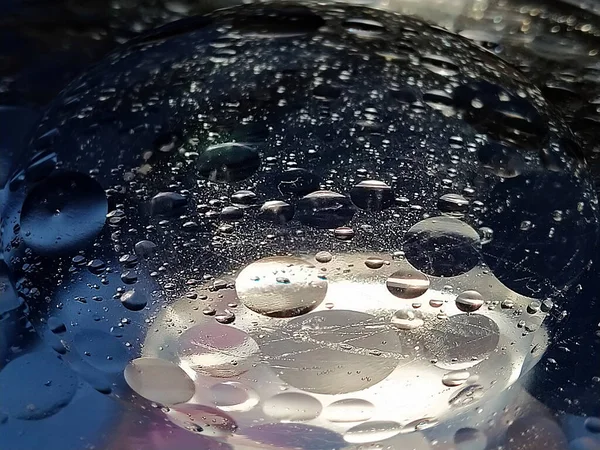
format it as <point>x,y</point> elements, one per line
<point>416,381</point>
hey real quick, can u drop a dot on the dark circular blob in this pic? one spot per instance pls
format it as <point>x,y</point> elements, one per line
<point>502,160</point>
<point>442,247</point>
<point>134,300</point>
<point>324,209</point>
<point>229,162</point>
<point>276,211</point>
<point>501,115</point>
<point>542,240</point>
<point>372,195</point>
<point>297,182</point>
<point>63,213</point>
<point>36,386</point>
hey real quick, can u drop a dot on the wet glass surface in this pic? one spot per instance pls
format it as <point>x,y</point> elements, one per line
<point>299,225</point>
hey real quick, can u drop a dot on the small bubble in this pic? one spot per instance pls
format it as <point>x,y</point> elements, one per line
<point>469,301</point>
<point>323,257</point>
<point>374,262</point>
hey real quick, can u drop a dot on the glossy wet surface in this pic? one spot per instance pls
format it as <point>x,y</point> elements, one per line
<point>300,227</point>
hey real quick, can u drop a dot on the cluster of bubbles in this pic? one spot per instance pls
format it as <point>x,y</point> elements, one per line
<point>294,226</point>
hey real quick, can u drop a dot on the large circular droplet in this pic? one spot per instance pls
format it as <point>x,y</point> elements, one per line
<point>325,209</point>
<point>63,213</point>
<point>281,286</point>
<point>159,381</point>
<point>462,340</point>
<point>35,386</point>
<point>442,247</point>
<point>229,162</point>
<point>349,410</point>
<point>407,283</point>
<point>217,350</point>
<point>333,352</point>
<point>292,406</point>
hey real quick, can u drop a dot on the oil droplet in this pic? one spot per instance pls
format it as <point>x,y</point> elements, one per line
<point>372,431</point>
<point>407,283</point>
<point>277,211</point>
<point>469,301</point>
<point>323,257</point>
<point>229,162</point>
<point>406,319</point>
<point>234,396</point>
<point>343,233</point>
<point>372,195</point>
<point>454,205</point>
<point>349,410</point>
<point>455,378</point>
<point>292,406</point>
<point>374,262</point>
<point>260,288</point>
<point>159,381</point>
<point>325,209</point>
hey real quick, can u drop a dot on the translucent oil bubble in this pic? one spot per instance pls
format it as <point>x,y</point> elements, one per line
<point>159,380</point>
<point>63,213</point>
<point>407,283</point>
<point>281,286</point>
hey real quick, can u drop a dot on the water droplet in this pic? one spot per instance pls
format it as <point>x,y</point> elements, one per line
<point>454,205</point>
<point>96,266</point>
<point>325,209</point>
<point>277,211</point>
<point>145,249</point>
<point>469,301</point>
<point>323,257</point>
<point>343,233</point>
<point>229,162</point>
<point>167,203</point>
<point>374,262</point>
<point>364,28</point>
<point>349,410</point>
<point>231,214</point>
<point>292,406</point>
<point>258,288</point>
<point>134,300</point>
<point>406,319</point>
<point>159,381</point>
<point>455,378</point>
<point>225,317</point>
<point>243,198</point>
<point>407,283</point>
<point>372,195</point>
<point>63,213</point>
